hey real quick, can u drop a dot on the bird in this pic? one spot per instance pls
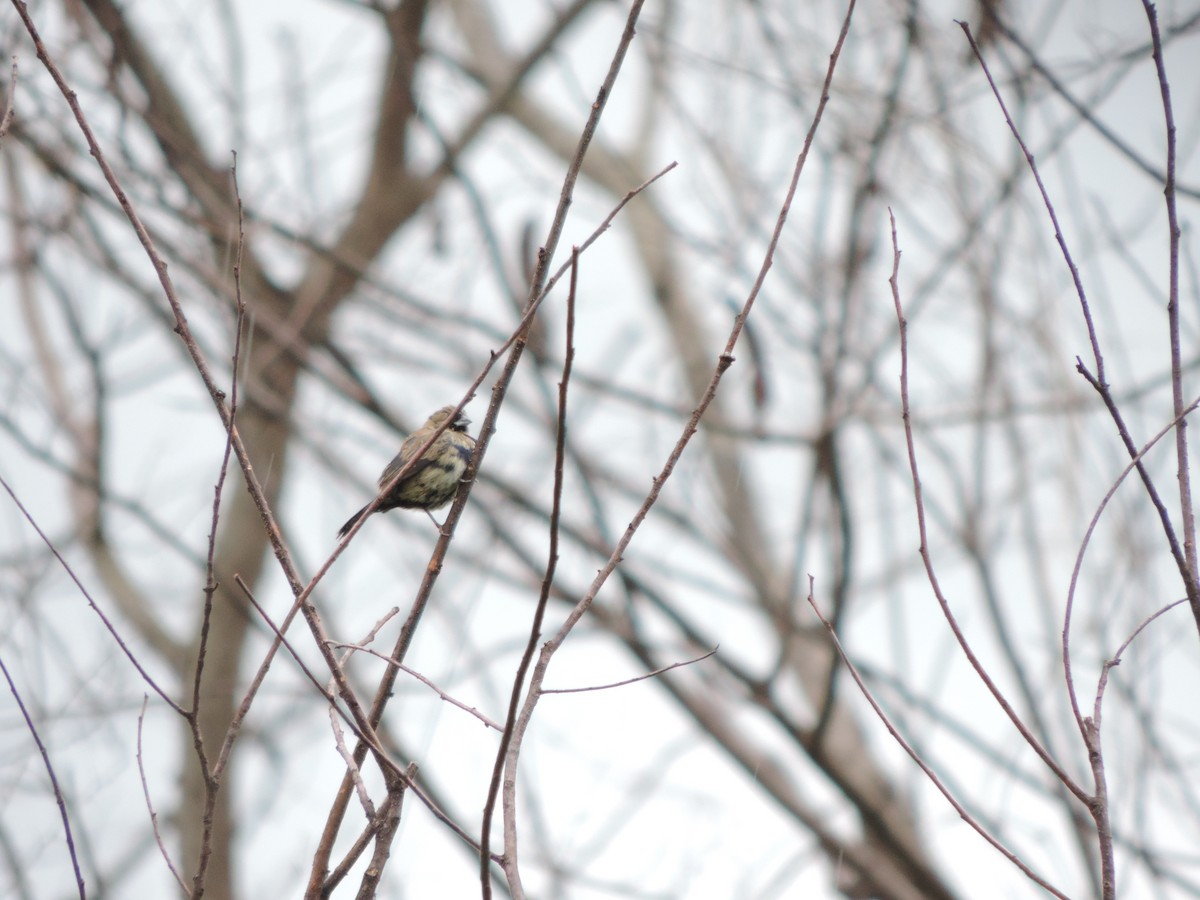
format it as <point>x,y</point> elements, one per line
<point>433,480</point>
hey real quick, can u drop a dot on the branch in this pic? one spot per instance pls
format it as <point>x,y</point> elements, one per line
<point>724,361</point>
<point>1183,464</point>
<point>9,103</point>
<point>58,796</point>
<point>635,679</point>
<point>926,556</point>
<point>516,344</point>
<point>1098,381</point>
<point>92,603</point>
<point>162,847</point>
<point>211,776</point>
<point>1078,567</point>
<point>511,865</point>
<point>962,811</point>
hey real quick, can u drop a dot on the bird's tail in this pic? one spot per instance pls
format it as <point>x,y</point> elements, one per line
<point>345,529</point>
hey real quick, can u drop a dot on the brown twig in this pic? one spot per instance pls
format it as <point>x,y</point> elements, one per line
<point>1098,381</point>
<point>339,741</point>
<point>1183,463</point>
<point>515,346</point>
<point>210,581</point>
<point>365,739</point>
<point>916,757</point>
<point>1087,108</point>
<point>58,795</point>
<point>1110,664</point>
<point>425,681</point>
<point>635,679</point>
<point>1078,567</point>
<point>386,764</point>
<point>162,847</point>
<point>210,776</point>
<point>371,635</point>
<point>342,869</point>
<point>599,230</point>
<point>253,485</point>
<point>387,822</point>
<point>927,557</point>
<point>724,361</point>
<point>511,869</point>
<point>92,603</point>
<point>339,872</point>
<point>328,695</point>
<point>352,767</point>
<point>9,103</point>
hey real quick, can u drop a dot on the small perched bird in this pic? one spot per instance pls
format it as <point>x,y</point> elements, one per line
<point>433,480</point>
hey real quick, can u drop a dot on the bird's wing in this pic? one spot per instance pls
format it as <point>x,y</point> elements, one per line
<point>395,465</point>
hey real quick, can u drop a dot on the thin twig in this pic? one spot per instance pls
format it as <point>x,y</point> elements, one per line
<point>916,757</point>
<point>54,781</point>
<point>1115,661</point>
<point>158,839</point>
<point>92,603</point>
<point>1098,381</point>
<point>600,229</point>
<point>385,762</point>
<point>1078,567</point>
<point>211,777</point>
<point>1037,177</point>
<point>1087,109</point>
<point>9,102</point>
<point>453,701</point>
<point>537,292</point>
<point>210,581</point>
<point>511,868</point>
<point>1183,462</point>
<point>253,485</point>
<point>635,679</point>
<point>329,696</point>
<point>388,821</point>
<point>724,361</point>
<point>58,795</point>
<point>927,557</point>
<point>342,869</point>
<point>339,741</point>
<point>325,889</point>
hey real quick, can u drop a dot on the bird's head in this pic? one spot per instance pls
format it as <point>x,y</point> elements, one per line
<point>460,422</point>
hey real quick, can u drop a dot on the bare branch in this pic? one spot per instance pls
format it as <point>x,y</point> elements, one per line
<point>929,773</point>
<point>635,679</point>
<point>92,603</point>
<point>162,848</point>
<point>927,556</point>
<point>58,796</point>
<point>1099,380</point>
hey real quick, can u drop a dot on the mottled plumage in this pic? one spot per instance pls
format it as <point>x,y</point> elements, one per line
<point>433,481</point>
